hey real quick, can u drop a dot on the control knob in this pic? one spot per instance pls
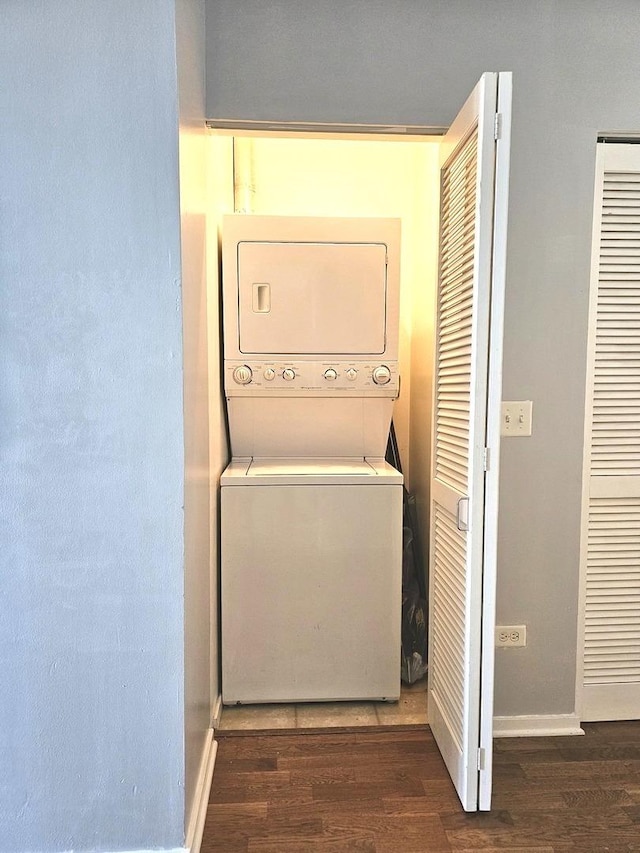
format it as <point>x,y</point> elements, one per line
<point>269,374</point>
<point>242,374</point>
<point>352,373</point>
<point>288,373</point>
<point>381,375</point>
<point>330,374</point>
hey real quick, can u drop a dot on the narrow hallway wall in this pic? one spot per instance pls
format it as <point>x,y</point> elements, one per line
<point>219,200</point>
<point>91,434</point>
<point>199,534</point>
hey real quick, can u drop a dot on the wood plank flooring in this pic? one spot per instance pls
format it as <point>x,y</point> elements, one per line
<point>386,791</point>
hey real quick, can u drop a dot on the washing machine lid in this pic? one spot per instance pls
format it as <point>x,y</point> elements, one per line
<point>249,471</point>
<point>309,467</point>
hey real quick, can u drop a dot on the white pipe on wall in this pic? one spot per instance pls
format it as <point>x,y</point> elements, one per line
<point>244,188</point>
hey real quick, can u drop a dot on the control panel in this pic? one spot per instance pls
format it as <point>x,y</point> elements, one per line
<point>320,378</point>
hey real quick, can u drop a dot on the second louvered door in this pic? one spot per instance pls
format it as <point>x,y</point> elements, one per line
<point>467,393</point>
<point>611,519</point>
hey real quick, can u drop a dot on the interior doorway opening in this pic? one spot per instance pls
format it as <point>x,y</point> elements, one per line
<point>350,175</point>
<point>470,232</point>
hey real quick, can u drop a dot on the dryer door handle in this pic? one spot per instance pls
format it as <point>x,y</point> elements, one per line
<point>261,302</point>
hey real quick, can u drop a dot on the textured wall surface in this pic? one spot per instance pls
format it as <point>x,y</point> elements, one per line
<point>199,532</point>
<point>576,71</point>
<point>91,431</point>
<point>219,201</point>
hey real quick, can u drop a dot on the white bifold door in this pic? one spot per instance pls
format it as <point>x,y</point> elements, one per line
<point>611,489</point>
<point>464,495</point>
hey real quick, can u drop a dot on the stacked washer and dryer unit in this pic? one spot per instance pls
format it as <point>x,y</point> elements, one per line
<point>311,514</point>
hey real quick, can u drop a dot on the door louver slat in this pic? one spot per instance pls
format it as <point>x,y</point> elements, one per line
<point>612,611</point>
<point>612,553</point>
<point>617,351</point>
<point>453,371</point>
<point>448,619</point>
<point>453,368</point>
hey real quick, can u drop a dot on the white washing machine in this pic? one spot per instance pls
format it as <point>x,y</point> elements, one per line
<point>311,580</point>
<point>311,514</point>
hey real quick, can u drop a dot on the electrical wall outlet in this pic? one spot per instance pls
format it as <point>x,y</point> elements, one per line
<point>516,418</point>
<point>511,636</point>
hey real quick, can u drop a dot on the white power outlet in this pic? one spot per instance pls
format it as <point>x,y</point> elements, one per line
<point>511,636</point>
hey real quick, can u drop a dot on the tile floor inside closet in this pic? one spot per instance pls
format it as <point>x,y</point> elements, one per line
<point>410,709</point>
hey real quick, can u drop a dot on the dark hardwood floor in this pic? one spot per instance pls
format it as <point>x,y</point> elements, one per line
<point>386,791</point>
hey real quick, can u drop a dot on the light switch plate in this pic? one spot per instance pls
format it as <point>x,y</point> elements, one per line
<point>516,418</point>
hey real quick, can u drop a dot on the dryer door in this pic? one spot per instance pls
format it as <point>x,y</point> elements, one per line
<point>312,298</point>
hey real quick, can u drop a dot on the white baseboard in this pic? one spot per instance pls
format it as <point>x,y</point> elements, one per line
<point>198,815</point>
<point>153,850</point>
<point>216,712</point>
<point>537,725</point>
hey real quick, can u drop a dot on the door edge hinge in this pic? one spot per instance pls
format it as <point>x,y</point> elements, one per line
<point>486,459</point>
<point>481,758</point>
<point>497,126</point>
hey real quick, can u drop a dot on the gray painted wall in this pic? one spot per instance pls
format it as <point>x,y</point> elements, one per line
<point>576,69</point>
<point>199,532</point>
<point>91,432</point>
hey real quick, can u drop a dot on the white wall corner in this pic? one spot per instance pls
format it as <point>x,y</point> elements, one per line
<point>195,825</point>
<point>537,725</point>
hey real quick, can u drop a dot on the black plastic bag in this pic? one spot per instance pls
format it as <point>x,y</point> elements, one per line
<point>414,615</point>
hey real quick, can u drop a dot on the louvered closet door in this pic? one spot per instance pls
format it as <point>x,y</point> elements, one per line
<point>611,524</point>
<point>462,563</point>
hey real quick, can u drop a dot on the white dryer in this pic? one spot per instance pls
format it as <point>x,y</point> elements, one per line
<point>311,515</point>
